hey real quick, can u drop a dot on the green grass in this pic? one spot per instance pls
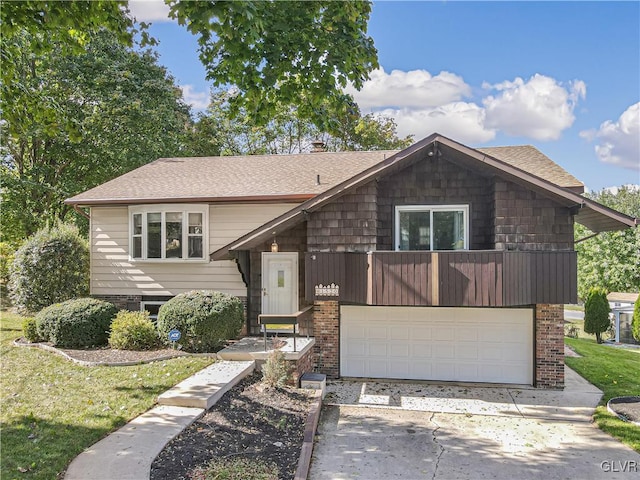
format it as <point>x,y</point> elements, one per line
<point>576,308</point>
<point>617,373</point>
<point>52,409</point>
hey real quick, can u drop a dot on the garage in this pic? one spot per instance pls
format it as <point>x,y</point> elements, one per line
<point>493,345</point>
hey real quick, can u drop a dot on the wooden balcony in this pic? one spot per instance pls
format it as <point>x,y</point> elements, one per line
<point>475,278</point>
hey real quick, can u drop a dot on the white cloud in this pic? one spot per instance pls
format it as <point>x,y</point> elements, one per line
<point>619,142</point>
<point>198,100</point>
<point>149,10</point>
<point>540,108</point>
<point>415,88</point>
<point>463,122</point>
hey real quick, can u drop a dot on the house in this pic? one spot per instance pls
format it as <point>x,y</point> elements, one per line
<point>437,262</point>
<point>621,305</point>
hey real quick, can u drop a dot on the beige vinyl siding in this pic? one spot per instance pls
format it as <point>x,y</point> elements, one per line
<point>113,273</point>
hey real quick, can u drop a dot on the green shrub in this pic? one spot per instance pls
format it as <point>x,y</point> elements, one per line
<point>237,468</point>
<point>635,322</point>
<point>596,312</point>
<point>83,322</point>
<point>205,319</point>
<point>6,258</point>
<point>50,267</point>
<point>30,330</point>
<point>133,331</point>
<point>275,371</point>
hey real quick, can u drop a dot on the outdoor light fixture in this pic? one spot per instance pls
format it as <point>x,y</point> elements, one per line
<point>274,245</point>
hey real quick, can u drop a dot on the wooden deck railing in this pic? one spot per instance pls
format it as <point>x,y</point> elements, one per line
<point>461,278</point>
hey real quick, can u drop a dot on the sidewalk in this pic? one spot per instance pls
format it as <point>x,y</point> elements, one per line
<point>127,453</point>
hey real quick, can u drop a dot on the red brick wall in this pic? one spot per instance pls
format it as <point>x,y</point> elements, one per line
<point>549,343</point>
<point>326,326</point>
<point>123,302</point>
<point>303,365</point>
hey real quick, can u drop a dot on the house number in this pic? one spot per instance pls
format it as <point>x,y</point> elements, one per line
<point>332,290</point>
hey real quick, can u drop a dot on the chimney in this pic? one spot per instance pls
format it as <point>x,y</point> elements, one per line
<point>318,146</point>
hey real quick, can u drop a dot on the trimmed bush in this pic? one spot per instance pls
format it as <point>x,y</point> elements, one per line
<point>205,319</point>
<point>635,321</point>
<point>275,371</point>
<point>30,330</point>
<point>596,312</point>
<point>83,322</point>
<point>133,331</point>
<point>50,267</point>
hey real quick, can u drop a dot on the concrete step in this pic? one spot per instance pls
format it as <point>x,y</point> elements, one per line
<point>206,387</point>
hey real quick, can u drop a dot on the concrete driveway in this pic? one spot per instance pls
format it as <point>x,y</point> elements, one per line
<point>374,430</point>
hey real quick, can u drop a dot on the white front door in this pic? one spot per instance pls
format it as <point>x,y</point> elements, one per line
<point>279,283</point>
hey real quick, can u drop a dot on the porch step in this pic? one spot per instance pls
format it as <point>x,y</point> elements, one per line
<point>205,388</point>
<point>252,348</point>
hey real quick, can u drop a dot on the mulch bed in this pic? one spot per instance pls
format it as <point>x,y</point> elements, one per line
<point>627,407</point>
<point>249,421</point>
<point>109,356</point>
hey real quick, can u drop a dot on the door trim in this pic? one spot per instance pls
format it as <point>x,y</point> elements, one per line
<point>295,274</point>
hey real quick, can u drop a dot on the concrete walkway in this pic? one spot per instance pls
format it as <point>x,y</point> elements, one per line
<point>127,454</point>
<point>398,430</point>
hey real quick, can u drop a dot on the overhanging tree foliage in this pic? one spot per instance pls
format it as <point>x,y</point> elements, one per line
<point>274,53</point>
<point>596,312</point>
<point>78,120</point>
<point>611,259</point>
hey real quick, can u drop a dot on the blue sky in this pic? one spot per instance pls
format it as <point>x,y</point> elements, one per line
<point>563,76</point>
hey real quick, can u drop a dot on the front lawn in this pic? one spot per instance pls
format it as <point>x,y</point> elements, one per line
<point>617,373</point>
<point>52,409</point>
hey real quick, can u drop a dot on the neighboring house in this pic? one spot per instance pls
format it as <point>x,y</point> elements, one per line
<point>438,262</point>
<point>622,309</point>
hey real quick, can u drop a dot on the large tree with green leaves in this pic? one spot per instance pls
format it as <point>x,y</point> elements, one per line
<point>80,119</point>
<point>274,53</point>
<point>222,131</point>
<point>611,259</point>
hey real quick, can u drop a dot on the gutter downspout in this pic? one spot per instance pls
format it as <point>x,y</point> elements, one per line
<point>81,212</point>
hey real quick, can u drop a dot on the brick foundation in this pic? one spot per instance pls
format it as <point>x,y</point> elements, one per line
<point>123,302</point>
<point>326,327</point>
<point>303,365</point>
<point>549,328</point>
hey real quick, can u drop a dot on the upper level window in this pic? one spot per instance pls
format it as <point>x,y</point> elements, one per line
<point>430,227</point>
<point>166,232</point>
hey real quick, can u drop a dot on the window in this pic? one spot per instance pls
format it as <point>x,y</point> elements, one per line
<point>426,227</point>
<point>168,232</point>
<point>153,308</point>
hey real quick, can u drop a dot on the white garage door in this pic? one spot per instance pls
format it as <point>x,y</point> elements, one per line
<point>453,344</point>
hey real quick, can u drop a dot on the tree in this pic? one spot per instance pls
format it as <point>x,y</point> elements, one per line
<point>51,266</point>
<point>55,24</point>
<point>611,259</point>
<point>635,322</point>
<point>222,131</point>
<point>79,120</point>
<point>596,312</point>
<point>293,53</point>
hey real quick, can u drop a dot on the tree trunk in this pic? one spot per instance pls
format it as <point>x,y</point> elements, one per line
<point>598,337</point>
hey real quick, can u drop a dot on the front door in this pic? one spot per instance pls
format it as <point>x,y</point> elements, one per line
<point>279,283</point>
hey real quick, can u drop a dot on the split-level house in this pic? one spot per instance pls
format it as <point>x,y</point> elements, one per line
<point>437,262</point>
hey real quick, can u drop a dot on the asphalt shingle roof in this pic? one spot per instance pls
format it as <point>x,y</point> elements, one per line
<point>259,176</point>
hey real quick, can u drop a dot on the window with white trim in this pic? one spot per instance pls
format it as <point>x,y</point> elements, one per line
<point>168,232</point>
<point>432,227</point>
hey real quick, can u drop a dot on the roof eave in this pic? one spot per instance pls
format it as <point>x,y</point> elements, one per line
<point>297,198</point>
